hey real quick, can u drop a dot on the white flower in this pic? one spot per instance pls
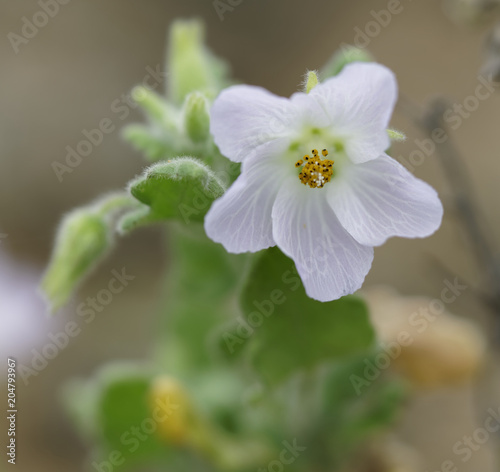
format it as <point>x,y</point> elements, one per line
<point>328,211</point>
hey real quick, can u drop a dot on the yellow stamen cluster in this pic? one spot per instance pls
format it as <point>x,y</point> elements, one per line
<point>316,171</point>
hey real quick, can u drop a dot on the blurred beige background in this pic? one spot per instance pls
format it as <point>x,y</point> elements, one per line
<point>65,79</point>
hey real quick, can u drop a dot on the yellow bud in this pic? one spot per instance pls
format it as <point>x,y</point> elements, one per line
<point>181,425</point>
<point>436,347</point>
<point>172,407</point>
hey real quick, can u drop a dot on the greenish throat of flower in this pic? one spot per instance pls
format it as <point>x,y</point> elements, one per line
<point>316,171</point>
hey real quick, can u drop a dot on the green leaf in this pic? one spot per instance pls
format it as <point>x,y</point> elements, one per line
<point>83,239</point>
<point>289,330</point>
<point>79,398</point>
<point>179,189</point>
<point>123,405</point>
<point>345,55</point>
<point>191,66</point>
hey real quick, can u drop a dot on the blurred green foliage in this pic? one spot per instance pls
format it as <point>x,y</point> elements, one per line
<point>261,364</point>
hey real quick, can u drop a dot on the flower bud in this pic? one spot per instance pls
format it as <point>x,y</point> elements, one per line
<point>83,238</point>
<point>311,80</point>
<point>156,108</point>
<point>184,426</point>
<point>396,135</point>
<point>345,55</point>
<point>430,346</point>
<point>179,422</point>
<point>196,117</point>
<point>191,65</point>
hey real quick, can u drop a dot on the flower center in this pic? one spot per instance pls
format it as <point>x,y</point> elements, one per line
<point>316,172</point>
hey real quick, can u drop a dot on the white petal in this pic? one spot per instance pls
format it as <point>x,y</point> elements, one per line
<point>244,117</point>
<point>329,261</point>
<point>380,199</point>
<point>360,101</point>
<point>307,112</point>
<point>241,219</point>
